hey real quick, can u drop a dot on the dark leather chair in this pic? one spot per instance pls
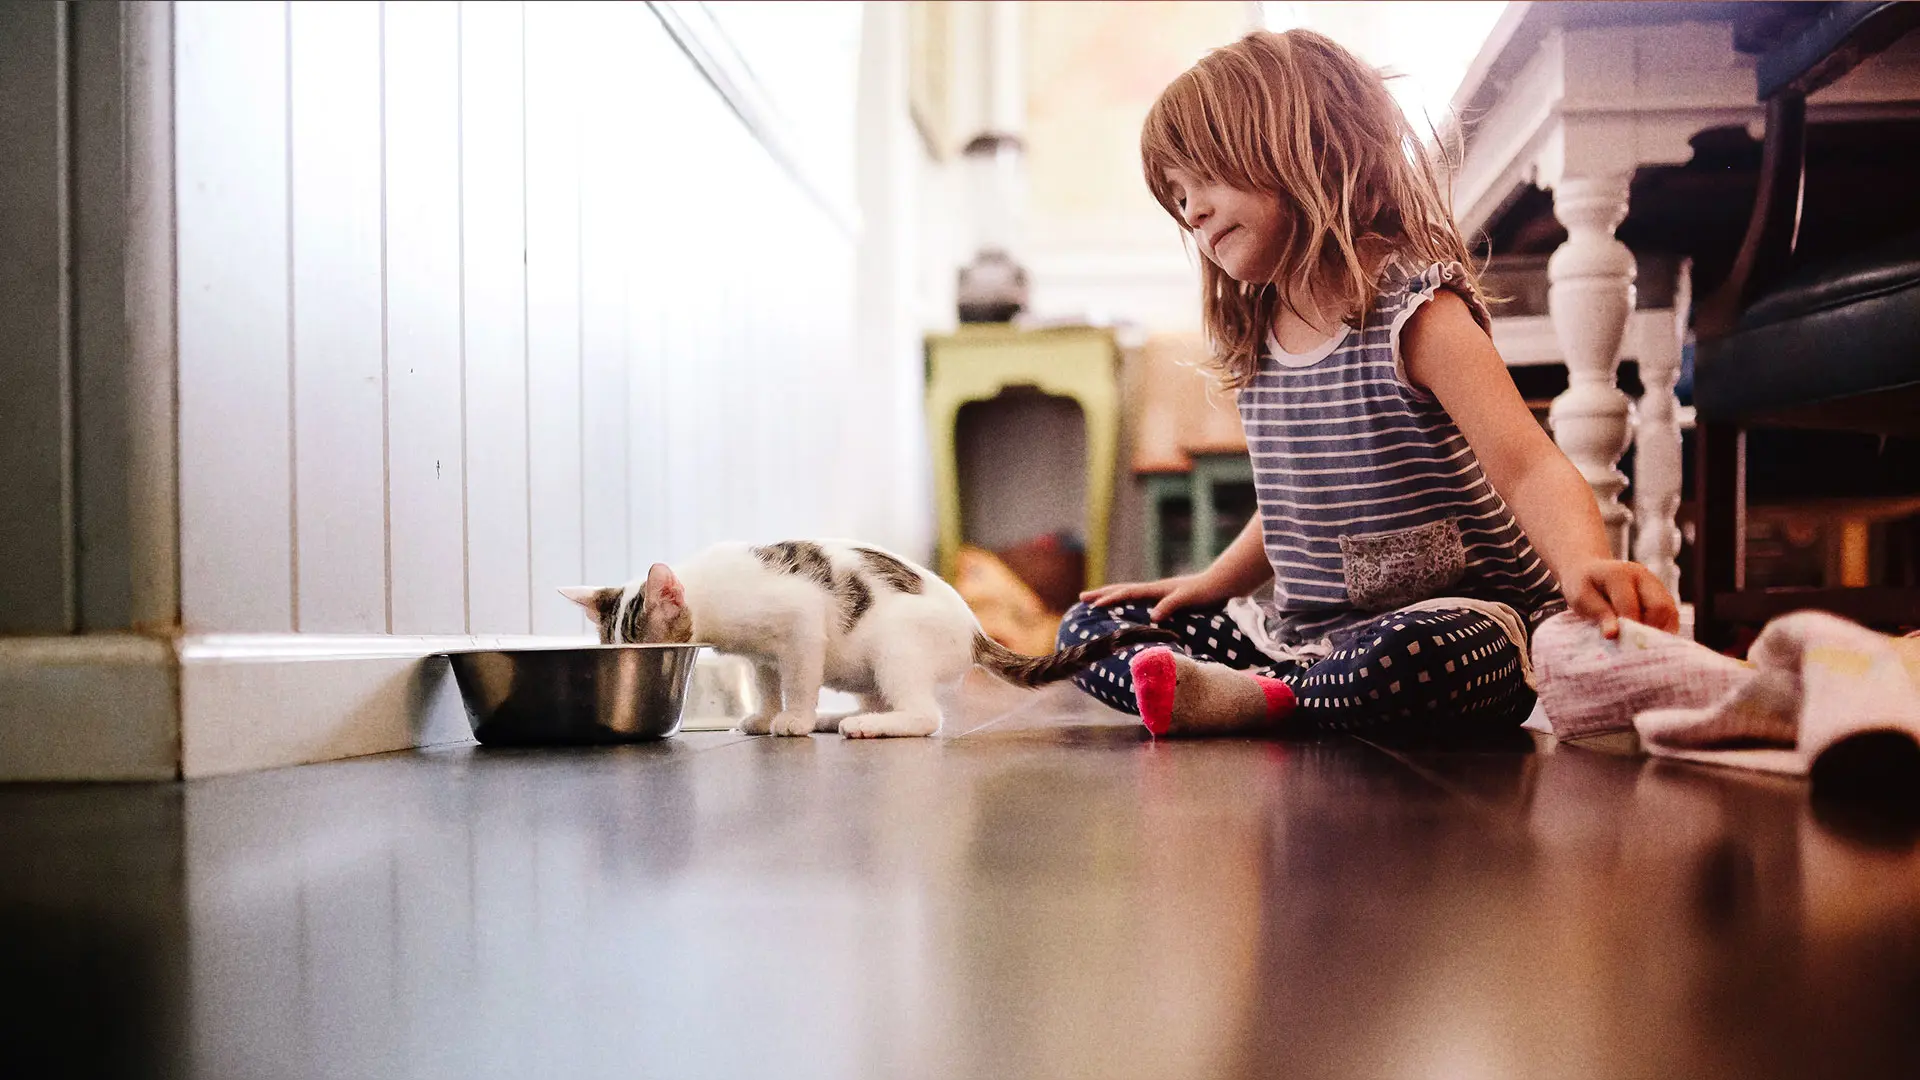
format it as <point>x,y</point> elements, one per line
<point>1831,345</point>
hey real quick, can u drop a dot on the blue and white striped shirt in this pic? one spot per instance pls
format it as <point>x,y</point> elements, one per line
<point>1370,498</point>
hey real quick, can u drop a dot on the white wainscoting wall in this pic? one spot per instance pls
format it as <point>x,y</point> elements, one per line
<point>476,300</point>
<point>471,301</point>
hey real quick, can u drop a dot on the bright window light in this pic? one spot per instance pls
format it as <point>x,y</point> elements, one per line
<point>1428,46</point>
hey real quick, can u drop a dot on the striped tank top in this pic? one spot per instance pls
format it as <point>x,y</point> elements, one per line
<point>1370,499</point>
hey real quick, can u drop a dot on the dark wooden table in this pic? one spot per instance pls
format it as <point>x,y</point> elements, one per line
<point>1041,893</point>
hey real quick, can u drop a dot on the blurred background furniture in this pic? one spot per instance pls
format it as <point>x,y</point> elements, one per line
<point>1651,353</point>
<point>1823,341</point>
<point>1189,456</point>
<point>1607,138</point>
<point>979,362</point>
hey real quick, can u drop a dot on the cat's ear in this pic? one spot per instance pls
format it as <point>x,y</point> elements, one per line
<point>662,585</point>
<point>665,606</point>
<point>599,603</point>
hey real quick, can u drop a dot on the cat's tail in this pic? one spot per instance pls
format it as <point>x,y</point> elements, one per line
<point>1023,670</point>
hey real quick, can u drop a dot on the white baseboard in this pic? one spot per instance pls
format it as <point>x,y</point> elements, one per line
<point>98,707</point>
<point>124,707</point>
<point>262,701</point>
<point>127,707</point>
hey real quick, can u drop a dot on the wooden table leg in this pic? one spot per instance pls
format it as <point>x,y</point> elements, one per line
<point>1590,299</point>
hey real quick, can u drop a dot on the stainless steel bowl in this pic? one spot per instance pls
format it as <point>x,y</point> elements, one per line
<point>590,694</point>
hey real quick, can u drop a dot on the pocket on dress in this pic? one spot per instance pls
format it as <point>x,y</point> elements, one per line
<point>1392,569</point>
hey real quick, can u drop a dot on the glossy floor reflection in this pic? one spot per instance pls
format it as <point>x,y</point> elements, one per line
<point>1042,893</point>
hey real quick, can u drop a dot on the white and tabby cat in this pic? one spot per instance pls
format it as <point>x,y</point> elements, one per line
<point>829,613</point>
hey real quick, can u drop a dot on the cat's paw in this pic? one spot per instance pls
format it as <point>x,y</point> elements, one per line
<point>758,724</point>
<point>884,725</point>
<point>794,722</point>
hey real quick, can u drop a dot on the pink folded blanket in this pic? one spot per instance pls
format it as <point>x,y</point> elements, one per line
<point>1813,679</point>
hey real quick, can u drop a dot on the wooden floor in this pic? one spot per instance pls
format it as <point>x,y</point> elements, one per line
<point>1041,893</point>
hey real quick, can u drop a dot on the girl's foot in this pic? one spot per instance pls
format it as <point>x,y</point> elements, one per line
<point>1179,695</point>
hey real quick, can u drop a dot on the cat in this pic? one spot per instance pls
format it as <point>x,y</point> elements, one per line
<point>830,613</point>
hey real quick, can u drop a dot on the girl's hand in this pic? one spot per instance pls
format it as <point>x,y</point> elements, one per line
<point>1171,594</point>
<point>1608,590</point>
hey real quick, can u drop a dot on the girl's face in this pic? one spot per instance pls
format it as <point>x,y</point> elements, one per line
<point>1240,231</point>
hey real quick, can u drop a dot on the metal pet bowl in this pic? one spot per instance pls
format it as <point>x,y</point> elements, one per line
<point>590,694</point>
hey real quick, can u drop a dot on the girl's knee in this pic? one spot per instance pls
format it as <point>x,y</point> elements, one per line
<point>1394,640</point>
<point>1426,633</point>
<point>1083,622</point>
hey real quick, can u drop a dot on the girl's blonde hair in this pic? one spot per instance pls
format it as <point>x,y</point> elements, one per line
<point>1296,116</point>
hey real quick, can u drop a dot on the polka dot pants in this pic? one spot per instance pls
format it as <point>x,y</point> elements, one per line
<point>1453,668</point>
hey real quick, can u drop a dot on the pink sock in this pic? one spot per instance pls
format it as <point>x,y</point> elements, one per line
<point>1177,693</point>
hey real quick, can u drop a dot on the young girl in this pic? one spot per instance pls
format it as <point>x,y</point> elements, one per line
<point>1415,522</point>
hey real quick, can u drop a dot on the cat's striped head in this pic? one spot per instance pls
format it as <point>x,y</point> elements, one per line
<point>637,613</point>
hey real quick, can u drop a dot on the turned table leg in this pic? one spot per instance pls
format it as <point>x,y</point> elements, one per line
<point>1656,448</point>
<point>1590,298</point>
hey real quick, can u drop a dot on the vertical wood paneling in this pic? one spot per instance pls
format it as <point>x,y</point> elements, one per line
<point>680,359</point>
<point>770,455</point>
<point>609,328</point>
<point>338,391</point>
<point>748,455</point>
<point>425,458</point>
<point>817,387</point>
<point>717,258</point>
<point>493,190</point>
<point>101,399</point>
<point>792,369</point>
<point>553,96</point>
<point>853,457</point>
<point>679,376</point>
<point>654,180</point>
<point>685,363</point>
<point>788,368</point>
<point>781,367</point>
<point>144,53</point>
<point>647,404</point>
<point>606,207</point>
<point>36,524</point>
<point>736,409</point>
<point>710,458</point>
<point>769,450</point>
<point>833,460</point>
<point>230,114</point>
